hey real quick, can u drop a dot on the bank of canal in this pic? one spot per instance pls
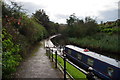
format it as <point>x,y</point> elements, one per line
<point>61,40</point>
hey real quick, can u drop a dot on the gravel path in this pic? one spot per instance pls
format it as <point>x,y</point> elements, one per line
<point>38,66</point>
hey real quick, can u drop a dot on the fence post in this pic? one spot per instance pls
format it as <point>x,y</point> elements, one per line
<point>60,48</point>
<point>46,50</point>
<point>49,53</point>
<point>55,59</point>
<point>52,55</point>
<point>64,67</point>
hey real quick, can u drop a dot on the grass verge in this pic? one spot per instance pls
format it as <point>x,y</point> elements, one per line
<point>75,73</point>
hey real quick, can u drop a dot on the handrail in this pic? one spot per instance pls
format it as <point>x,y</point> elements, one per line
<point>58,63</point>
<point>83,71</point>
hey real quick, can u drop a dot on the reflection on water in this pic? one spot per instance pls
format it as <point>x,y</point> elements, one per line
<point>60,40</point>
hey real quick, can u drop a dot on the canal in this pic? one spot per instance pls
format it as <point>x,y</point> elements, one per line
<point>61,40</point>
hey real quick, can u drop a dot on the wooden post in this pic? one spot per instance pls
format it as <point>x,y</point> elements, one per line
<point>55,59</point>
<point>49,53</point>
<point>52,55</point>
<point>64,67</point>
<point>46,50</point>
<point>60,48</point>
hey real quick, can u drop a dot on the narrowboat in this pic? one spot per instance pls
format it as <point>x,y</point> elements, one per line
<point>104,67</point>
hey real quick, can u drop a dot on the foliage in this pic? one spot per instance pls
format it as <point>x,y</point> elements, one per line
<point>20,33</point>
<point>32,30</point>
<point>89,19</point>
<point>71,20</point>
<point>42,18</point>
<point>78,28</point>
<point>100,41</point>
<point>11,14</point>
<point>87,33</point>
<point>109,29</point>
<point>118,22</point>
<point>10,56</point>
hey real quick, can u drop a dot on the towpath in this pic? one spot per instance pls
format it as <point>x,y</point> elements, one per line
<point>38,66</point>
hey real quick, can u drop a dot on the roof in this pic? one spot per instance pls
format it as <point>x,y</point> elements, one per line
<point>96,56</point>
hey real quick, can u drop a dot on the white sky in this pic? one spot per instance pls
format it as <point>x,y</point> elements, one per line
<point>60,10</point>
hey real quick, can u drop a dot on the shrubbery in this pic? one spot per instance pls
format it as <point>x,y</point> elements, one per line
<point>101,42</point>
<point>88,34</point>
<point>79,28</point>
<point>32,30</point>
<point>10,55</point>
<point>108,29</point>
<point>20,32</point>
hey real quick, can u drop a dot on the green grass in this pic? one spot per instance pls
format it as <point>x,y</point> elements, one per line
<point>75,73</point>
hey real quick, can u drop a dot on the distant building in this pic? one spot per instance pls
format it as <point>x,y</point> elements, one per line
<point>109,22</point>
<point>114,23</point>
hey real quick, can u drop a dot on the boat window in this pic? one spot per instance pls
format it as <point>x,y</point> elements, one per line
<point>90,61</point>
<point>79,56</point>
<point>110,71</point>
<point>69,51</point>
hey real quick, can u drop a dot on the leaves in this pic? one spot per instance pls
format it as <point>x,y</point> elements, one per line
<point>99,41</point>
<point>79,28</point>
<point>43,19</point>
<point>19,33</point>
<point>110,29</point>
<point>10,54</point>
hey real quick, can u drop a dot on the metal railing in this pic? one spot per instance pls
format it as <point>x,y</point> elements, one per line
<point>53,55</point>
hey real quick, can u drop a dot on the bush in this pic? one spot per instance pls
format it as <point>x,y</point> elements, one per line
<point>20,33</point>
<point>79,28</point>
<point>32,30</point>
<point>101,42</point>
<point>10,56</point>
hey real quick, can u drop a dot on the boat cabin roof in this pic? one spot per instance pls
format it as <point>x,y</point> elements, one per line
<point>96,56</point>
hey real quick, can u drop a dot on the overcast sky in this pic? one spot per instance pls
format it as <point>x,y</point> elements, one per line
<point>60,10</point>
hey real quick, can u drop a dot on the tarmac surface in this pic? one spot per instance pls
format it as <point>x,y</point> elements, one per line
<point>38,66</point>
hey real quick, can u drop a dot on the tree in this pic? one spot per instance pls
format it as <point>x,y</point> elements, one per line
<point>78,28</point>
<point>89,19</point>
<point>42,17</point>
<point>71,20</point>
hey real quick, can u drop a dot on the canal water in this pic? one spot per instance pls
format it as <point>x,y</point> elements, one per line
<point>52,46</point>
<point>61,40</point>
